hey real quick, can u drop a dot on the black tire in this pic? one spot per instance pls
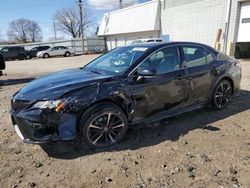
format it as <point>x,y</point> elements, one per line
<point>103,125</point>
<point>46,55</point>
<point>28,56</point>
<point>21,57</point>
<point>67,54</point>
<point>221,94</point>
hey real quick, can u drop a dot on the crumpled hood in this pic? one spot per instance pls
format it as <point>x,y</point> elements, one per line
<point>54,85</point>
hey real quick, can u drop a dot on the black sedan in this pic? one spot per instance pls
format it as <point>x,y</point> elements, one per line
<point>32,53</point>
<point>129,85</point>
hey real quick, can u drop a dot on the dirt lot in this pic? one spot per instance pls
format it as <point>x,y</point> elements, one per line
<point>198,149</point>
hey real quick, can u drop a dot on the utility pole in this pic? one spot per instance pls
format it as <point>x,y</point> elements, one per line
<point>120,4</point>
<point>229,7</point>
<point>54,25</point>
<point>81,25</point>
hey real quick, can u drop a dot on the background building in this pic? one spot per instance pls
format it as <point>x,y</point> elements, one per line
<point>200,20</point>
<point>123,26</point>
<point>183,20</point>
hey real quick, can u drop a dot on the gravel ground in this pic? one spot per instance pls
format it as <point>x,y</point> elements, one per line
<point>202,148</point>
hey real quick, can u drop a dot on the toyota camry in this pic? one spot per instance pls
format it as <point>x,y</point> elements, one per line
<point>129,85</point>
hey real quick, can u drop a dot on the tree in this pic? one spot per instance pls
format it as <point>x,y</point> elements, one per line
<point>34,31</point>
<point>68,21</point>
<point>24,30</point>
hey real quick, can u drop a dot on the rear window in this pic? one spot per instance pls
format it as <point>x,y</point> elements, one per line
<point>196,56</point>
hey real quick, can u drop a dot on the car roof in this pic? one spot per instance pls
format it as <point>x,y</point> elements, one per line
<point>160,45</point>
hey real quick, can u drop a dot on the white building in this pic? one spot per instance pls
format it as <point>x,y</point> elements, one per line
<point>123,26</point>
<point>182,20</point>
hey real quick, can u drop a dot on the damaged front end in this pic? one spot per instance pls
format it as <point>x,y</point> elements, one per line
<point>46,121</point>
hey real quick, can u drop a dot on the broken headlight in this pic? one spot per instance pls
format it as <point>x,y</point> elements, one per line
<point>47,104</point>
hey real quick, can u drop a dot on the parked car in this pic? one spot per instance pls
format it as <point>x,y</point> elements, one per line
<point>56,51</point>
<point>33,52</point>
<point>2,64</point>
<point>129,85</point>
<point>149,40</point>
<point>14,52</point>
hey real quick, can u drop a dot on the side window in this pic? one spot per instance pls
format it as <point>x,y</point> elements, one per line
<point>197,56</point>
<point>163,61</point>
<point>5,50</point>
<point>151,40</point>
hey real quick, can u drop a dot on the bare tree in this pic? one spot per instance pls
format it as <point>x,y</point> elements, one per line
<point>24,30</point>
<point>68,21</point>
<point>34,31</point>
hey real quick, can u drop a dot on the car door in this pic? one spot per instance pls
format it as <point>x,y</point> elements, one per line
<point>163,92</point>
<point>53,51</point>
<point>61,50</point>
<point>198,62</point>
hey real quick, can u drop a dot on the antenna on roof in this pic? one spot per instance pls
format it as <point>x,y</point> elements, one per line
<point>120,4</point>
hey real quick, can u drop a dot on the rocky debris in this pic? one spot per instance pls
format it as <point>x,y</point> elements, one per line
<point>136,162</point>
<point>124,168</point>
<point>32,184</point>
<point>189,155</point>
<point>38,165</point>
<point>164,166</point>
<point>175,170</point>
<point>204,158</point>
<point>108,179</point>
<point>18,152</point>
<point>232,170</point>
<point>191,173</point>
<point>216,172</point>
<point>20,170</point>
<point>185,142</point>
<point>140,156</point>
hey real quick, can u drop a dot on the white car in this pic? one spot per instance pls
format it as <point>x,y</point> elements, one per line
<point>55,51</point>
<point>149,40</point>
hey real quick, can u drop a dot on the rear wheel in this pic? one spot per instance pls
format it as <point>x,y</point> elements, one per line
<point>222,94</point>
<point>67,54</point>
<point>21,57</point>
<point>103,125</point>
<point>46,55</point>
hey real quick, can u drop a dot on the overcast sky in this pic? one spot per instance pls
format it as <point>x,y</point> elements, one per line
<point>42,11</point>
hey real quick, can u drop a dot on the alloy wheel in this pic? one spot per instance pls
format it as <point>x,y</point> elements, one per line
<point>105,129</point>
<point>223,94</point>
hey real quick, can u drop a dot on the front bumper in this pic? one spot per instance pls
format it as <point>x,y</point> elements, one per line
<point>44,126</point>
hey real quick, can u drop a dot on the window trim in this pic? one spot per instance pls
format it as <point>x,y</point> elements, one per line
<point>179,55</point>
<point>184,57</point>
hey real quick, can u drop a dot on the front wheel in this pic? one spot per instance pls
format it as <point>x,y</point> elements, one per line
<point>104,125</point>
<point>222,94</point>
<point>46,56</point>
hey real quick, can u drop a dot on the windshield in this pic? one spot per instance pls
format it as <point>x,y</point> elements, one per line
<point>117,60</point>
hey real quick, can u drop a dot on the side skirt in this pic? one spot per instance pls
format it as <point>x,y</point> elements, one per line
<point>164,115</point>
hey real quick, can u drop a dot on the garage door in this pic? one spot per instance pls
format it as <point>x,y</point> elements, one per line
<point>244,28</point>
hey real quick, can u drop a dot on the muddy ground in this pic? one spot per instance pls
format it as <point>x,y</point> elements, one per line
<point>203,148</point>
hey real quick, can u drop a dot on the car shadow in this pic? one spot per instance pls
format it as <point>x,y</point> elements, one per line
<point>9,82</point>
<point>168,130</point>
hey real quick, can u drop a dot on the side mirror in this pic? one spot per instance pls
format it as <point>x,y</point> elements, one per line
<point>2,62</point>
<point>144,74</point>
